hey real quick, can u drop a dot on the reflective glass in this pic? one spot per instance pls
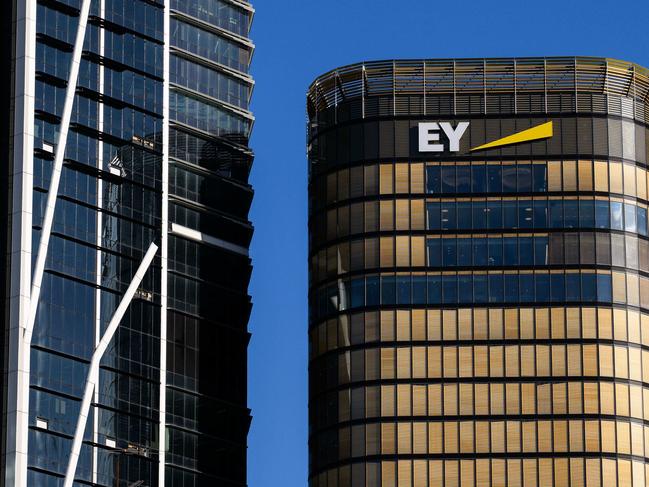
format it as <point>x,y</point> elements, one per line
<point>217,12</point>
<point>479,178</point>
<point>404,292</point>
<point>540,209</point>
<point>496,290</point>
<point>642,221</point>
<point>481,288</point>
<point>480,255</point>
<point>449,289</point>
<point>527,288</point>
<point>463,179</point>
<point>617,218</point>
<point>433,179</point>
<point>510,251</point>
<point>586,214</point>
<point>465,286</point>
<point>602,214</point>
<point>373,292</point>
<point>540,177</point>
<point>434,289</point>
<point>570,214</point>
<point>555,208</point>
<point>524,178</point>
<point>464,214</point>
<point>573,287</point>
<point>509,178</point>
<point>448,179</point>
<point>525,214</point>
<point>449,216</point>
<point>526,251</point>
<point>604,288</point>
<point>464,253</point>
<point>209,45</point>
<point>541,250</point>
<point>557,287</point>
<point>357,293</point>
<point>449,252</point>
<point>511,288</point>
<point>494,178</point>
<point>495,252</point>
<point>510,214</point>
<point>494,215</point>
<point>542,288</point>
<point>388,290</point>
<point>630,218</point>
<point>419,290</point>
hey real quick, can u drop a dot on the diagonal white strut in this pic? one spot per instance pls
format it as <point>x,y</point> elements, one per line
<point>96,359</point>
<point>53,191</point>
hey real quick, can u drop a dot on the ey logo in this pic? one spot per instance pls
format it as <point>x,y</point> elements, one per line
<point>429,136</point>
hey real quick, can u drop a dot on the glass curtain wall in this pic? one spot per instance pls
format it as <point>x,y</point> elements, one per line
<point>209,267</point>
<point>108,213</point>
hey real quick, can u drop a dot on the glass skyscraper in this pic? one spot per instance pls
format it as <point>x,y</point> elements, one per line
<point>124,135</point>
<point>479,274</point>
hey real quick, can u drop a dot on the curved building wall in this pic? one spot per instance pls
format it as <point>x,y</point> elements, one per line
<point>479,317</point>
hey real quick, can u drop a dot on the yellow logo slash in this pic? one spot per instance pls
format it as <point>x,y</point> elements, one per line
<point>543,131</point>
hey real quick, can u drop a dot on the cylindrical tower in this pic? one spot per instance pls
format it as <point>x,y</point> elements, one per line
<point>479,274</point>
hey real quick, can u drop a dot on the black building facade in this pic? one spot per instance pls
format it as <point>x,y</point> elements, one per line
<point>126,155</point>
<point>479,296</point>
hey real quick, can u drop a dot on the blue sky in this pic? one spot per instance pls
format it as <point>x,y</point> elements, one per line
<point>296,41</point>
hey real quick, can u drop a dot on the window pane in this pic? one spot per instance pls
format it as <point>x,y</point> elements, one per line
<point>540,177</point>
<point>479,178</point>
<point>433,180</point>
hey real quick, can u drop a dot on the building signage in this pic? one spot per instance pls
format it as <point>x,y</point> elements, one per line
<point>429,136</point>
<point>430,140</point>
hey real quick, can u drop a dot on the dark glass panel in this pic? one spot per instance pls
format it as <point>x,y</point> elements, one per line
<point>524,178</point>
<point>479,178</point>
<point>480,254</point>
<point>463,179</point>
<point>404,292</point>
<point>448,179</point>
<point>464,213</point>
<point>494,178</point>
<point>388,290</point>
<point>433,179</point>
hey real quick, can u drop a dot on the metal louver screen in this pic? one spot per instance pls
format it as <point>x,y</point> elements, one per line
<point>479,86</point>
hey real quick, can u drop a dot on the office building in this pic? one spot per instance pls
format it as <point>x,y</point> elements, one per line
<point>479,273</point>
<point>125,132</point>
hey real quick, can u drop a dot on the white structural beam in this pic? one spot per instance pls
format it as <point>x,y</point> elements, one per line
<point>53,191</point>
<point>91,380</point>
<point>13,465</point>
<point>25,67</point>
<point>99,239</point>
<point>164,244</point>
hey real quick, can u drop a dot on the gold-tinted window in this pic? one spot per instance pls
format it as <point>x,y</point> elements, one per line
<point>601,176</point>
<point>417,178</point>
<point>386,215</point>
<point>554,176</point>
<point>570,176</point>
<point>615,175</point>
<point>401,178</point>
<point>386,184</point>
<point>402,214</point>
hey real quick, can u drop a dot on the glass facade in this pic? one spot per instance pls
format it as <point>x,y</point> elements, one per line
<point>208,303</point>
<point>479,317</point>
<point>157,152</point>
